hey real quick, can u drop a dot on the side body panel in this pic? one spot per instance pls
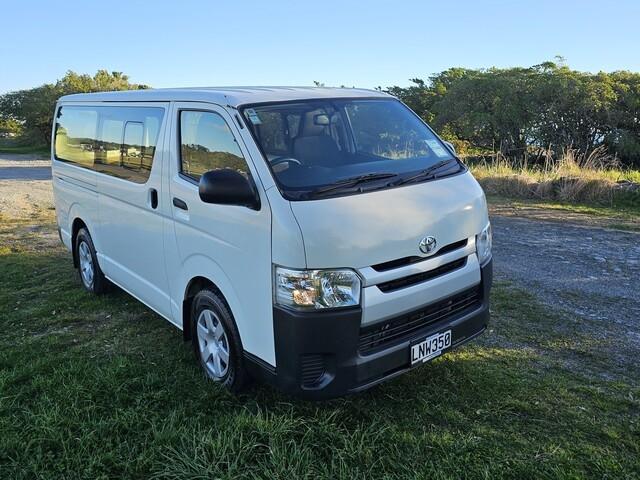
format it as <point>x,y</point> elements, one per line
<point>287,244</point>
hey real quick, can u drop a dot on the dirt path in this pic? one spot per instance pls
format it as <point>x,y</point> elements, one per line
<point>25,186</point>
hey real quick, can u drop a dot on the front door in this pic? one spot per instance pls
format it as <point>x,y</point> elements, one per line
<point>228,244</point>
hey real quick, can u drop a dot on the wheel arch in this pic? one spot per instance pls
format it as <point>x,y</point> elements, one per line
<point>76,225</point>
<point>198,271</point>
<point>195,285</point>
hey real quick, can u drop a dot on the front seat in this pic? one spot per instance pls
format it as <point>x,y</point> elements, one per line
<point>318,150</point>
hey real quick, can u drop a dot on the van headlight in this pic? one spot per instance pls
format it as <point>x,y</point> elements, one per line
<point>484,242</point>
<point>316,289</point>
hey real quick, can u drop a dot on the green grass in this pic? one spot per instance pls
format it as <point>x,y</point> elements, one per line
<point>15,146</point>
<point>100,387</point>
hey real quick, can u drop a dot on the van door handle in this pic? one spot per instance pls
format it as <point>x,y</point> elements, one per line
<point>180,203</point>
<point>153,198</point>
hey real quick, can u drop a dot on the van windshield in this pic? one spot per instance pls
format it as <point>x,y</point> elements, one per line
<point>330,147</point>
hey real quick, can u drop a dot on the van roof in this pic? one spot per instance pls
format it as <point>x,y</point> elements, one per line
<point>232,96</point>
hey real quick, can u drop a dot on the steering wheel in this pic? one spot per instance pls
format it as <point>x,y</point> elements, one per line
<point>279,160</point>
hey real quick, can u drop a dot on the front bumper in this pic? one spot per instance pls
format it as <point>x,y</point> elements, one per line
<point>317,354</point>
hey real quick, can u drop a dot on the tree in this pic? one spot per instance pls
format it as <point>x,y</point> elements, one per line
<point>490,109</point>
<point>521,110</point>
<point>10,126</point>
<point>624,136</point>
<point>33,108</point>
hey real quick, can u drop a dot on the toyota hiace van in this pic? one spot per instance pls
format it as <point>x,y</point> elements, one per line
<point>323,240</point>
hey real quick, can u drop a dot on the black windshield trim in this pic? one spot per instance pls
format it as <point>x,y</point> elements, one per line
<point>304,195</point>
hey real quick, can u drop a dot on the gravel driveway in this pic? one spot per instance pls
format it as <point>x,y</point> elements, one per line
<point>24,167</point>
<point>589,276</point>
<point>554,258</point>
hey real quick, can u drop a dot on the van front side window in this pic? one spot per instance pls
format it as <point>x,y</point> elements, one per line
<point>207,143</point>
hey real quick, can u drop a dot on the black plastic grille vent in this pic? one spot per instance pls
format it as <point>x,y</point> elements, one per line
<point>408,325</point>
<point>403,262</point>
<point>312,369</point>
<point>410,280</point>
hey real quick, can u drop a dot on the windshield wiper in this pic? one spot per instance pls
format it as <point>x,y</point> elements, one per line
<point>353,181</point>
<point>427,172</point>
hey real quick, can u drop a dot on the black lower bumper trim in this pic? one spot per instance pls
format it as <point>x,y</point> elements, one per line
<point>317,354</point>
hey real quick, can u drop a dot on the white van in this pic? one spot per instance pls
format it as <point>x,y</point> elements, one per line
<point>323,240</point>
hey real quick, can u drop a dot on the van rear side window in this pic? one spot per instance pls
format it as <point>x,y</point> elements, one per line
<point>76,135</point>
<point>116,141</point>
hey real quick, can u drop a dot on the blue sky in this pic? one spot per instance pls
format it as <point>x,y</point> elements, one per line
<point>366,44</point>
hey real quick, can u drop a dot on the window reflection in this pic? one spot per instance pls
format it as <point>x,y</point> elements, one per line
<point>117,141</point>
<point>207,143</point>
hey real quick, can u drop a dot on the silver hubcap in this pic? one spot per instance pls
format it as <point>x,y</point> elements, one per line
<point>213,344</point>
<point>86,264</point>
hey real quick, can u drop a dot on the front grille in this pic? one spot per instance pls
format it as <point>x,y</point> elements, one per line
<point>403,262</point>
<point>407,325</point>
<point>404,282</point>
<point>312,369</point>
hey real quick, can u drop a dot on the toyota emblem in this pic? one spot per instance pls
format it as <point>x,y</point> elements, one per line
<point>427,245</point>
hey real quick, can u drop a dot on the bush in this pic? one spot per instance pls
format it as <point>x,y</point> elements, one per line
<point>574,178</point>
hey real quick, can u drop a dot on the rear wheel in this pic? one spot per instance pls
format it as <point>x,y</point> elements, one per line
<point>91,276</point>
<point>216,341</point>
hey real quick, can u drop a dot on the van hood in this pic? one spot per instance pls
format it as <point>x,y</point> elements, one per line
<point>366,229</point>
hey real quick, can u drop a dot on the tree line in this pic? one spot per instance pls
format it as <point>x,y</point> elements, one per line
<point>29,113</point>
<point>533,112</point>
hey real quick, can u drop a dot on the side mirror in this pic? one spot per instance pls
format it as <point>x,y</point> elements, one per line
<point>451,147</point>
<point>228,187</point>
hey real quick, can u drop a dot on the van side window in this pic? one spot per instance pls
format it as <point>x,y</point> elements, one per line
<point>207,143</point>
<point>76,135</point>
<point>132,149</point>
<point>108,145</point>
<point>116,141</point>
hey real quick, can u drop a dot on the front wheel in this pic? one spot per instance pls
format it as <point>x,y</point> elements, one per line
<point>216,341</point>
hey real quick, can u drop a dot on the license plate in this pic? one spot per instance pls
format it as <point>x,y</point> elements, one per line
<point>431,347</point>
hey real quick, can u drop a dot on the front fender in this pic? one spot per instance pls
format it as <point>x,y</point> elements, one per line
<point>199,265</point>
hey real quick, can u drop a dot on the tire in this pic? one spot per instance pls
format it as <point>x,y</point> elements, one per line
<point>91,276</point>
<point>216,341</point>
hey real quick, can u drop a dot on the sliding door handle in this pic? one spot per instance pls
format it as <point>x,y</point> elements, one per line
<point>153,198</point>
<point>180,204</point>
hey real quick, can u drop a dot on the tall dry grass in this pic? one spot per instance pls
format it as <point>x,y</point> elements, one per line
<point>594,178</point>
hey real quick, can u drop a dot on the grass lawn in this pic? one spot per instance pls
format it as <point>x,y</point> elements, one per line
<point>100,387</point>
<point>12,146</point>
